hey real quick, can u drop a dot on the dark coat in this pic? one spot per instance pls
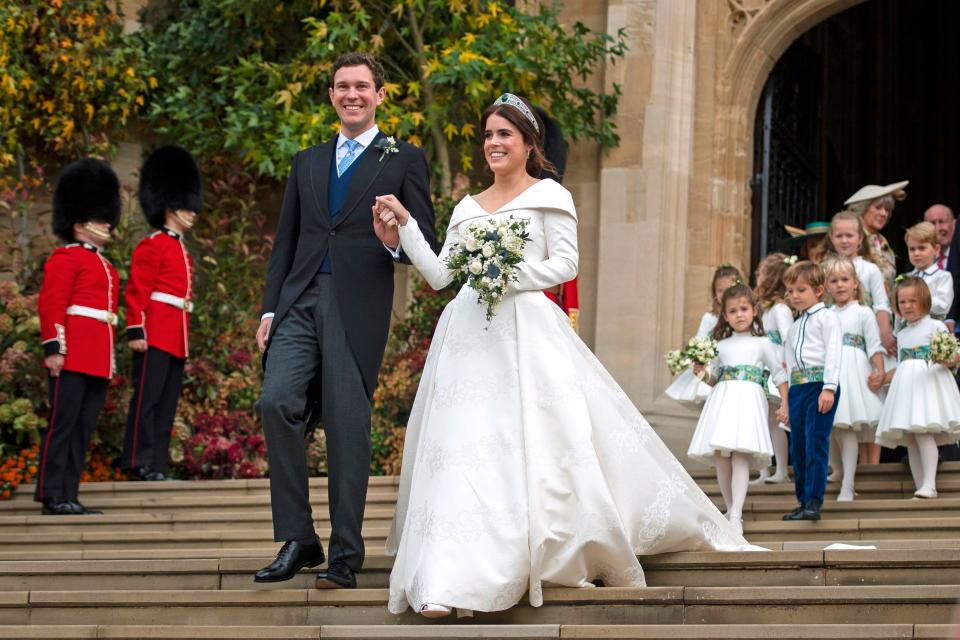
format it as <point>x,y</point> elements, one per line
<point>362,267</point>
<point>953,266</point>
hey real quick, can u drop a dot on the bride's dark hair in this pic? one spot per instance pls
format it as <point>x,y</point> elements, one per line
<point>537,161</point>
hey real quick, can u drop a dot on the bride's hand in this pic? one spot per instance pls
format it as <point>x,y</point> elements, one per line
<point>391,212</point>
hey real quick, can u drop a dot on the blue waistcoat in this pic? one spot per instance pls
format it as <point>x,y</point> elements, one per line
<point>336,193</point>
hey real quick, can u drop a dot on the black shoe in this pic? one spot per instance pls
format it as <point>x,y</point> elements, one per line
<point>809,511</point>
<point>292,557</point>
<point>793,514</point>
<point>155,476</point>
<point>82,510</point>
<point>337,576</point>
<point>59,507</point>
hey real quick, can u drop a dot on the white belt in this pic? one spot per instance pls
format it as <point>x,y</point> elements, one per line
<point>89,312</point>
<point>172,300</point>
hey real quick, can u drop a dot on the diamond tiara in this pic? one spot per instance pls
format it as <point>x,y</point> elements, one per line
<point>519,105</point>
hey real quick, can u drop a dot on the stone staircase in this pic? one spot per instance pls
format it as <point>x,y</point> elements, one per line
<point>175,560</point>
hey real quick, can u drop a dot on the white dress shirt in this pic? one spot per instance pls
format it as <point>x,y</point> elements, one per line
<point>940,283</point>
<point>872,282</point>
<point>816,340</point>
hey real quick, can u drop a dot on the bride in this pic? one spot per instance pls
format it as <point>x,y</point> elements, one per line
<point>525,465</point>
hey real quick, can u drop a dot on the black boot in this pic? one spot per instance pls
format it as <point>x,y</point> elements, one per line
<point>59,507</point>
<point>809,511</point>
<point>84,511</point>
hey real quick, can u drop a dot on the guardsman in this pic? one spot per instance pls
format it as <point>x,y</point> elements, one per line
<point>78,313</point>
<point>158,299</point>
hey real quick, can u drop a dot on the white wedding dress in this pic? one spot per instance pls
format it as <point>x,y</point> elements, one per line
<point>524,463</point>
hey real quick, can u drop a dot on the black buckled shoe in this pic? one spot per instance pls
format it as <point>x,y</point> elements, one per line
<point>58,507</point>
<point>292,557</point>
<point>793,514</point>
<point>84,511</point>
<point>809,511</point>
<point>337,576</point>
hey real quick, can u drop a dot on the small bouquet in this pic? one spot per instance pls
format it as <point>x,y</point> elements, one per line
<point>943,348</point>
<point>487,256</point>
<point>677,362</point>
<point>701,350</point>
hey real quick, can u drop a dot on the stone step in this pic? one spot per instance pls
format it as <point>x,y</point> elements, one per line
<point>471,632</point>
<point>254,512</point>
<point>691,569</point>
<point>652,605</point>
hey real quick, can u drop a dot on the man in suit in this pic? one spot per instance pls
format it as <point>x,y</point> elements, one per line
<point>326,313</point>
<point>941,217</point>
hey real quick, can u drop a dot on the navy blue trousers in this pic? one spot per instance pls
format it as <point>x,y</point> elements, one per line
<point>810,440</point>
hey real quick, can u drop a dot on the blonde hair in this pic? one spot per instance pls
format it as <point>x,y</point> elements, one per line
<point>809,272</point>
<point>839,264</point>
<point>888,202</point>
<point>771,289</point>
<point>865,251</point>
<point>923,293</point>
<point>923,232</point>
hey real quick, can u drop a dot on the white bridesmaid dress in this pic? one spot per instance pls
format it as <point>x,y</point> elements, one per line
<point>524,464</point>
<point>858,408</point>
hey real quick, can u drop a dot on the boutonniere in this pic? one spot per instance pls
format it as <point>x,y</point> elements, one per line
<point>387,145</point>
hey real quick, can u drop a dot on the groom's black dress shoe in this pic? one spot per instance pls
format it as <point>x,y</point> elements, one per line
<point>809,511</point>
<point>84,511</point>
<point>337,576</point>
<point>292,557</point>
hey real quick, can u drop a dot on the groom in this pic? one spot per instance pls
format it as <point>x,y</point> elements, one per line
<point>326,312</point>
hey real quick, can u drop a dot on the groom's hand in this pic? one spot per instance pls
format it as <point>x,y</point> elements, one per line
<point>263,331</point>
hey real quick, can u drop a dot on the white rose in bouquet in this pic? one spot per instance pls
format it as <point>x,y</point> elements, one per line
<point>476,267</point>
<point>487,250</point>
<point>471,243</point>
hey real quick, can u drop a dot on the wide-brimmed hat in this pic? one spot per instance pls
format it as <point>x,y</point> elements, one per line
<point>871,192</point>
<point>809,230</point>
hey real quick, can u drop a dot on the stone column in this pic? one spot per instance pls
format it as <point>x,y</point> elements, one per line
<point>644,190</point>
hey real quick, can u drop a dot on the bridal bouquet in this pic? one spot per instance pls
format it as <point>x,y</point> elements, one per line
<point>677,362</point>
<point>487,256</point>
<point>943,348</point>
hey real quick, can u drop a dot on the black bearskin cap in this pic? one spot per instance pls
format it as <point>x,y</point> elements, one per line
<point>554,148</point>
<point>88,189</point>
<point>169,180</point>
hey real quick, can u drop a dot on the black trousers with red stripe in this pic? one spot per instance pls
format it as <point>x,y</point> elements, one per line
<point>75,402</point>
<point>157,377</point>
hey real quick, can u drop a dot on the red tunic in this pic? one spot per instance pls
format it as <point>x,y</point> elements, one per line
<point>568,300</point>
<point>160,265</point>
<point>77,280</point>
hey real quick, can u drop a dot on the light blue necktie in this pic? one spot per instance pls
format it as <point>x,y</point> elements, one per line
<point>347,160</point>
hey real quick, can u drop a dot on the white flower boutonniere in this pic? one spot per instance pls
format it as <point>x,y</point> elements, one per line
<point>387,145</point>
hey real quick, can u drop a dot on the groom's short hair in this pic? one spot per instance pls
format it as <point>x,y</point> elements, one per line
<point>355,59</point>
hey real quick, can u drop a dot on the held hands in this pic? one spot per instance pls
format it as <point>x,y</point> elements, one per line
<point>388,216</point>
<point>875,380</point>
<point>263,332</point>
<point>137,345</point>
<point>54,364</point>
<point>825,401</point>
<point>782,414</point>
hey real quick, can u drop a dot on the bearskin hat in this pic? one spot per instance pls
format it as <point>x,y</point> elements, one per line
<point>169,180</point>
<point>554,148</point>
<point>88,189</point>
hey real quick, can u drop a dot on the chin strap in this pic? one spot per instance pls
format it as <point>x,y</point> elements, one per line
<point>184,219</point>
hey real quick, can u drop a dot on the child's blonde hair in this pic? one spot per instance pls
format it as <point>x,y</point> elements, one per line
<point>865,251</point>
<point>923,293</point>
<point>771,289</point>
<point>839,264</point>
<point>923,232</point>
<point>809,272</point>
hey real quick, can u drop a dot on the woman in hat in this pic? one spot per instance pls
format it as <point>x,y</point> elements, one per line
<point>874,204</point>
<point>812,237</point>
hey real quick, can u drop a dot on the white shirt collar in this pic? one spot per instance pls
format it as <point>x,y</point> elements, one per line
<point>813,309</point>
<point>364,138</point>
<point>929,271</point>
